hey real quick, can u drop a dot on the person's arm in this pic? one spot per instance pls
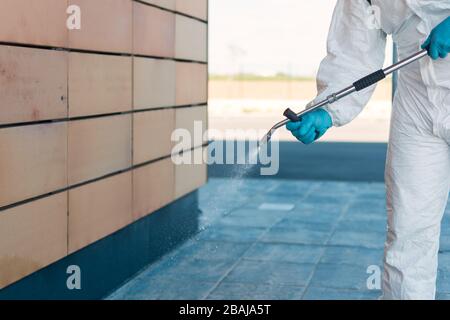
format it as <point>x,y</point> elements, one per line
<point>354,50</point>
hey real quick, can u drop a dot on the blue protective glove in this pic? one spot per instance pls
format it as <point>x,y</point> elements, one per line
<point>311,127</point>
<point>438,43</point>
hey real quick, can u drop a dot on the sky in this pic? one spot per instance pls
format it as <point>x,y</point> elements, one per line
<point>266,37</point>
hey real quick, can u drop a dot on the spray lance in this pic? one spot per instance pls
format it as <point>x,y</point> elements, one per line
<point>357,86</point>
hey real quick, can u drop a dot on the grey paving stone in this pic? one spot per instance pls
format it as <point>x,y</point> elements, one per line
<point>313,293</point>
<point>144,289</point>
<point>443,281</point>
<point>358,225</point>
<point>295,234</point>
<point>342,276</point>
<point>284,252</point>
<point>189,270</point>
<point>212,250</point>
<point>368,206</point>
<point>442,296</point>
<point>231,234</point>
<point>303,208</point>
<point>356,256</point>
<point>364,239</point>
<point>270,272</point>
<point>238,291</point>
<point>291,222</point>
<point>294,187</point>
<point>333,199</point>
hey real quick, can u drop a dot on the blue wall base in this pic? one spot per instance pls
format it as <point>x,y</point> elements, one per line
<point>108,263</point>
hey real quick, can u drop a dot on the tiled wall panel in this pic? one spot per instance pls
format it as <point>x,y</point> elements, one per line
<point>154,83</point>
<point>32,236</point>
<point>152,135</point>
<point>167,4</point>
<point>86,119</point>
<point>37,22</point>
<point>99,209</point>
<point>190,39</point>
<point>153,187</point>
<point>192,82</point>
<point>99,84</point>
<point>98,147</point>
<point>106,25</point>
<point>192,174</point>
<point>153,31</point>
<point>33,84</point>
<point>32,161</point>
<point>195,8</point>
<point>195,120</point>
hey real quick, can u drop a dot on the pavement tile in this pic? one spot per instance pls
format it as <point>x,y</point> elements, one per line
<point>254,218</point>
<point>372,226</point>
<point>364,239</point>
<point>295,234</point>
<point>288,222</point>
<point>357,256</point>
<point>313,293</point>
<point>143,289</point>
<point>293,188</point>
<point>368,206</point>
<point>343,276</point>
<point>270,272</point>
<point>249,291</point>
<point>231,233</point>
<point>442,296</point>
<point>212,250</point>
<point>443,281</point>
<point>284,252</point>
<point>189,270</point>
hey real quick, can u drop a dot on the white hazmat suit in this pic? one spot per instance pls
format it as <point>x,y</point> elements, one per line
<point>418,164</point>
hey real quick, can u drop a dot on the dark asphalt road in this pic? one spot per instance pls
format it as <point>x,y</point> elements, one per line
<point>322,161</point>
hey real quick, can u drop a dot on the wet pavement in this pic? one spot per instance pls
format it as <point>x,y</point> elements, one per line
<point>280,239</point>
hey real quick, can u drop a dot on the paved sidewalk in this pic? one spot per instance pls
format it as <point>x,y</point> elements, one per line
<point>277,239</point>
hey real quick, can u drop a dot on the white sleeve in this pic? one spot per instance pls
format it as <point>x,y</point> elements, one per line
<point>355,49</point>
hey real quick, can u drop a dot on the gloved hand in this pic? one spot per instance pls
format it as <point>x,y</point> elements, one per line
<point>312,126</point>
<point>438,43</point>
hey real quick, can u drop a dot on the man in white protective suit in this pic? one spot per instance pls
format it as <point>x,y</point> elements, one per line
<point>418,164</point>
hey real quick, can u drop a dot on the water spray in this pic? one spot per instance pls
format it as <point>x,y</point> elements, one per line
<point>359,85</point>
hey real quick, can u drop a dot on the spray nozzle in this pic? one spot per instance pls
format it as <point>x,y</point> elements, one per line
<point>291,115</point>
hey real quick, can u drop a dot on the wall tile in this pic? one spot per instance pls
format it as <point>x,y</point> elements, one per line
<point>99,84</point>
<point>33,161</point>
<point>192,83</point>
<point>153,187</point>
<point>33,84</point>
<point>154,31</point>
<point>154,83</point>
<point>195,8</point>
<point>191,39</point>
<point>98,147</point>
<point>190,175</point>
<point>195,120</point>
<point>152,135</point>
<point>25,21</point>
<point>32,236</point>
<point>106,25</point>
<point>168,4</point>
<point>99,209</point>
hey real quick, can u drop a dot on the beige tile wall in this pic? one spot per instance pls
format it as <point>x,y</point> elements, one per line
<point>33,84</point>
<point>85,133</point>
<point>33,235</point>
<point>97,147</point>
<point>99,84</point>
<point>99,209</point>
